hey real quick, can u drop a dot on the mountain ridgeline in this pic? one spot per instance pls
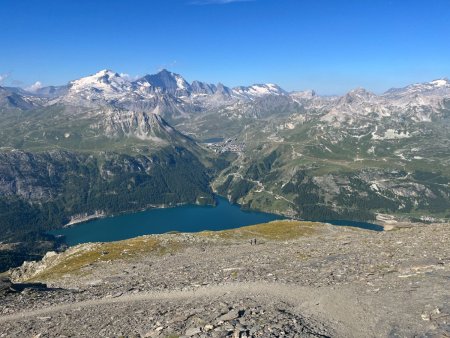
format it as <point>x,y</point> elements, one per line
<point>124,161</point>
<point>105,144</point>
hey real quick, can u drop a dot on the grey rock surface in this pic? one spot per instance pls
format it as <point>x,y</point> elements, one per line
<point>339,282</point>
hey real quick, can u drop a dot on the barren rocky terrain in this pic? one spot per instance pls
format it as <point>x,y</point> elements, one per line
<point>300,279</point>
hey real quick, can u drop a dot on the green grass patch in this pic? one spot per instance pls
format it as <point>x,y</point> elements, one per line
<point>73,263</point>
<point>277,231</point>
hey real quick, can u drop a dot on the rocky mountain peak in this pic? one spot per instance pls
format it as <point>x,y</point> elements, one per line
<point>199,87</point>
<point>166,81</point>
<point>223,90</point>
<point>138,124</point>
<point>358,95</point>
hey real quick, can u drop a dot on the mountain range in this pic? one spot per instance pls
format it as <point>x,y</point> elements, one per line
<point>170,95</point>
<point>106,144</point>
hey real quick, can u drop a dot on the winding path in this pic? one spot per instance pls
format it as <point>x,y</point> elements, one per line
<point>336,309</point>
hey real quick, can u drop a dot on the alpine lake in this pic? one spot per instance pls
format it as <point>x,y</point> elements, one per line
<point>186,218</point>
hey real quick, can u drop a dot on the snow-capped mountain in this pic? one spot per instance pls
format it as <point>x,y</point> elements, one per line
<point>171,83</point>
<point>437,87</point>
<point>165,93</point>
<point>105,81</point>
<point>104,85</point>
<point>171,96</point>
<point>109,86</point>
<point>258,90</point>
<point>418,102</point>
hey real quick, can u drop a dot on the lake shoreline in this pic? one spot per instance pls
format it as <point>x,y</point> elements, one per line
<point>148,207</point>
<point>379,224</point>
<point>182,217</point>
<point>157,219</point>
<point>82,219</point>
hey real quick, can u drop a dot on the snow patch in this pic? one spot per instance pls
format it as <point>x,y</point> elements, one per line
<point>439,83</point>
<point>391,134</point>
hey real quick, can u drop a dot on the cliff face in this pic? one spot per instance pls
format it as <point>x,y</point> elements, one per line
<point>36,177</point>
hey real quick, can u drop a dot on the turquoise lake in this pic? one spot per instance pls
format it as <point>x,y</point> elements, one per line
<point>187,218</point>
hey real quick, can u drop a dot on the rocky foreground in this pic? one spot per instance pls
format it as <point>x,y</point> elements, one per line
<point>300,279</point>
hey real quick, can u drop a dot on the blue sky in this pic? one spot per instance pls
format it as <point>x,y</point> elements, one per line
<point>328,45</point>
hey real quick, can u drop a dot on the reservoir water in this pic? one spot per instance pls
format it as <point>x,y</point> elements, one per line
<point>357,224</point>
<point>187,218</point>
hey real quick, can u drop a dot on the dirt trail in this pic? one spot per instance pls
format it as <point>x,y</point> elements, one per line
<point>344,310</point>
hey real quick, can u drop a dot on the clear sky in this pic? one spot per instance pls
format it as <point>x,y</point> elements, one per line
<point>331,46</point>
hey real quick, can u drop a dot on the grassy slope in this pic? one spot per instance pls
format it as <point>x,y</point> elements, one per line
<point>76,258</point>
<point>325,151</point>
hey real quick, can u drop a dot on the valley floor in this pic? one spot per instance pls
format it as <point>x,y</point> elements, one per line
<point>299,280</point>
